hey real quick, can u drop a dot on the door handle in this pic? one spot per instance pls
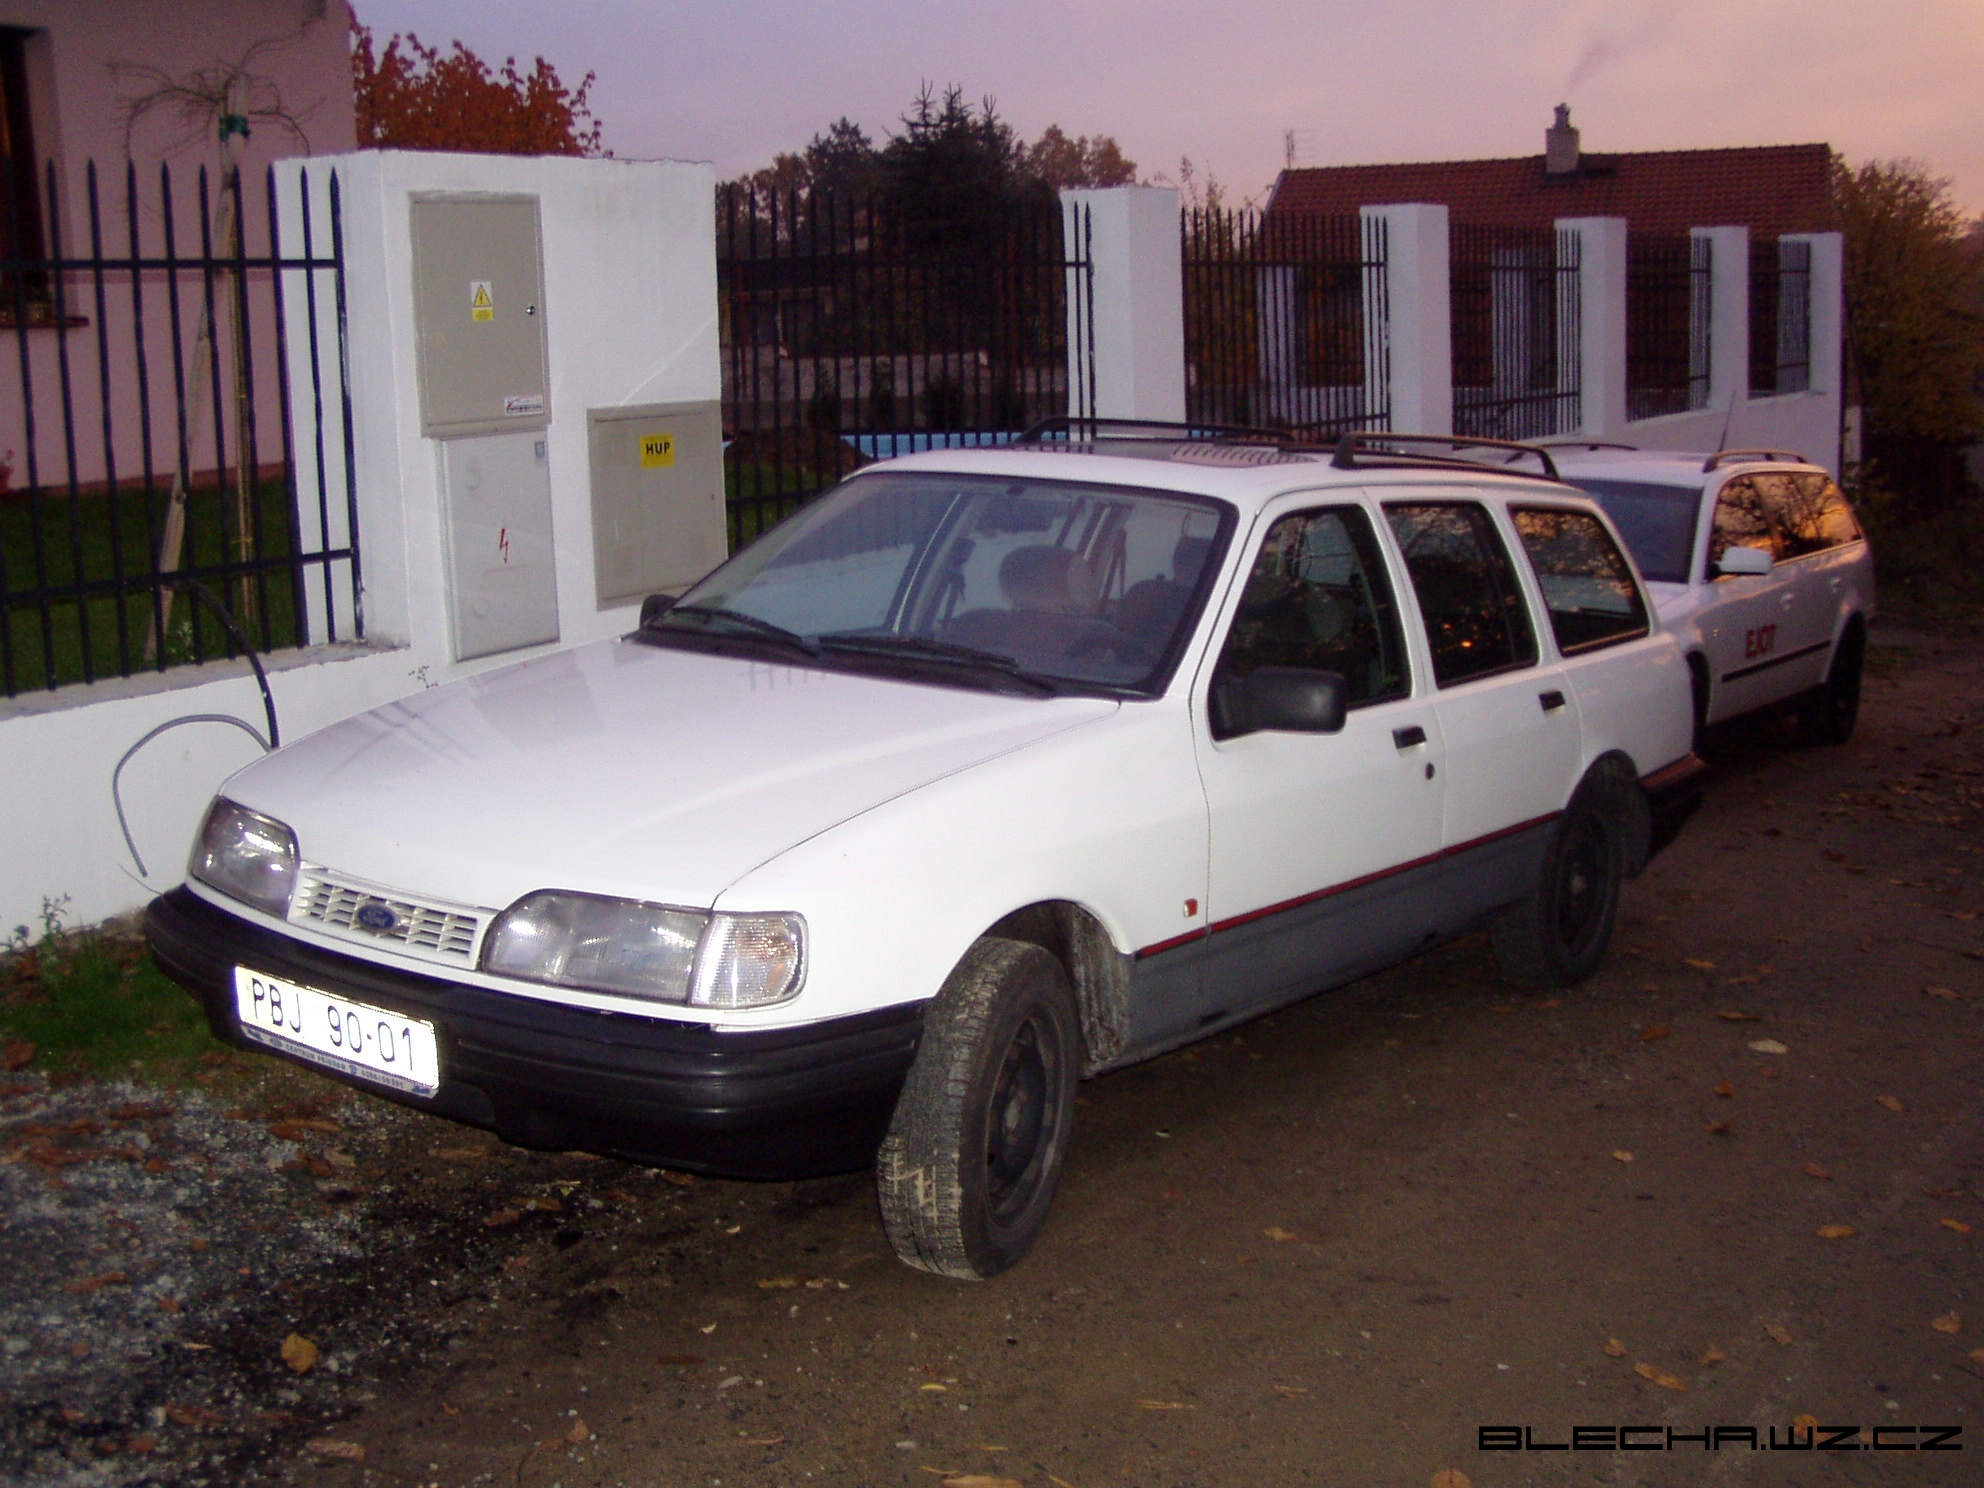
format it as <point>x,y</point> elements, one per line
<point>1405,738</point>
<point>1551,700</point>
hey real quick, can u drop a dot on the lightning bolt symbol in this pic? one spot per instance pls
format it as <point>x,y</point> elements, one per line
<point>503,543</point>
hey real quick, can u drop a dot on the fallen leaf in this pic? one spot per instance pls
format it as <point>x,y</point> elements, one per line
<point>1835,1231</point>
<point>299,1353</point>
<point>145,1443</point>
<point>1619,1154</point>
<point>1735,1017</point>
<point>935,1389</point>
<point>1162,1405</point>
<point>1615,1349</point>
<point>1813,1170</point>
<point>170,1304</point>
<point>669,1175</point>
<point>1661,1377</point>
<point>195,1415</point>
<point>545,1206</point>
<point>330,1446</point>
<point>1656,1031</point>
<point>1767,1046</point>
<point>1720,1129</point>
<point>86,1284</point>
<point>1743,979</point>
<point>711,1328</point>
<point>1292,1389</point>
<point>778,1283</point>
<point>578,1433</point>
<point>1779,1332</point>
<point>1949,1322</point>
<point>1941,992</point>
<point>16,1054</point>
<point>1699,964</point>
<point>297,1128</point>
<point>1712,1356</point>
<point>1890,1102</point>
<point>979,1480</point>
<point>1452,1477</point>
<point>1955,1224</point>
<point>501,1219</point>
<point>460,1154</point>
<point>1725,1090</point>
<point>1805,1423</point>
<point>762,1441</point>
<point>1277,1233</point>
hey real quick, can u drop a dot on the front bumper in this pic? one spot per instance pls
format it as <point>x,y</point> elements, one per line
<point>781,1103</point>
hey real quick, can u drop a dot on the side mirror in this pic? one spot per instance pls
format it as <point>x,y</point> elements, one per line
<point>1751,561</point>
<point>654,607</point>
<point>1279,699</point>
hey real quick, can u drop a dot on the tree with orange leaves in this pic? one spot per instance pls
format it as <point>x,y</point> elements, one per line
<point>413,97</point>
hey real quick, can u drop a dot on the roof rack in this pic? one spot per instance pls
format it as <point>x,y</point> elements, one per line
<point>1724,457</point>
<point>1077,429</point>
<point>1586,444</point>
<point>1367,448</point>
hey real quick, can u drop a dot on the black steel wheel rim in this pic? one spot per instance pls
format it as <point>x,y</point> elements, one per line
<point>1581,885</point>
<point>1021,1117</point>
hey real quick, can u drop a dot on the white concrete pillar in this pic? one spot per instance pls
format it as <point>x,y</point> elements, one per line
<point>1138,301</point>
<point>1417,320</point>
<point>1601,324</point>
<point>1729,317</point>
<point>1828,333</point>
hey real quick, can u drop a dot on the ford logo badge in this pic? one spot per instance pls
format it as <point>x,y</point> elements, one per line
<point>376,916</point>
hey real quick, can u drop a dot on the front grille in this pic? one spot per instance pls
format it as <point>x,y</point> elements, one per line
<point>434,932</point>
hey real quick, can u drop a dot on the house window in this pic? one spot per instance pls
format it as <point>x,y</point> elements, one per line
<point>21,231</point>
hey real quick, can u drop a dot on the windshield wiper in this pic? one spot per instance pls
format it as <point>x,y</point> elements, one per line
<point>923,648</point>
<point>750,623</point>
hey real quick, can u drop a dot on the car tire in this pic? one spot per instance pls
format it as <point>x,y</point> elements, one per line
<point>1830,717</point>
<point>1557,936</point>
<point>969,1167</point>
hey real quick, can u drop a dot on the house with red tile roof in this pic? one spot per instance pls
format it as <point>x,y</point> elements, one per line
<point>1770,189</point>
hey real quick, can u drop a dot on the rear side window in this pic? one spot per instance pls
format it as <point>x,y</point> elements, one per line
<point>1587,586</point>
<point>1317,597</point>
<point>1811,514</point>
<point>1741,521</point>
<point>1476,620</point>
<point>1657,522</point>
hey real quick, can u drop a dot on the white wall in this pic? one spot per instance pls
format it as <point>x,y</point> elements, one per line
<point>630,305</point>
<point>1139,308</point>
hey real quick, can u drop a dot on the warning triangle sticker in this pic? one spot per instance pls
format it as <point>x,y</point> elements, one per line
<point>482,297</point>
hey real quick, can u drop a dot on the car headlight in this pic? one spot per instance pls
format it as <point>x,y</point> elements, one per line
<point>651,951</point>
<point>246,855</point>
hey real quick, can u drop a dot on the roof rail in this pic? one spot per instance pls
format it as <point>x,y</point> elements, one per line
<point>1365,448</point>
<point>1724,457</point>
<point>1077,429</point>
<point>1586,444</point>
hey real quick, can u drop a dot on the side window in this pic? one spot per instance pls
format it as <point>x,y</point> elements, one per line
<point>1587,586</point>
<point>1318,597</point>
<point>1812,515</point>
<point>1740,522</point>
<point>1476,620</point>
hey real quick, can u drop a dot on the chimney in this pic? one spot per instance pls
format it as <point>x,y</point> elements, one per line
<point>1560,145</point>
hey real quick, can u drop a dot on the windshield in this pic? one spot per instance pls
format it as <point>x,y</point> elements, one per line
<point>1053,580</point>
<point>1657,522</point>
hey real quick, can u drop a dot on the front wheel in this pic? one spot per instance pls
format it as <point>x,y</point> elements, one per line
<point>968,1169</point>
<point>1831,716</point>
<point>1557,936</point>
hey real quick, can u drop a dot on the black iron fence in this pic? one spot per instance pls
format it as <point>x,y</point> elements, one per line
<point>856,329</point>
<point>147,451</point>
<point>1286,321</point>
<point>1780,317</point>
<point>1517,313</point>
<point>1668,283</point>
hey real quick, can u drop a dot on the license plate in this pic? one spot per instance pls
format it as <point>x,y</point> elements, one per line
<point>354,1038</point>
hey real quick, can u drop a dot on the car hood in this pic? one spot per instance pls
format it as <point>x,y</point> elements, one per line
<point>626,769</point>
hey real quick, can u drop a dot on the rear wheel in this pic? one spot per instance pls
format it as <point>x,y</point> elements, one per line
<point>1557,936</point>
<point>969,1167</point>
<point>1830,717</point>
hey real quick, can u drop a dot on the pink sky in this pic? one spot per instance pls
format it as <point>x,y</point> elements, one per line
<point>1359,80</point>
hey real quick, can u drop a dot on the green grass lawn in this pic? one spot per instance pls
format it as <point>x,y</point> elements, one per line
<point>61,545</point>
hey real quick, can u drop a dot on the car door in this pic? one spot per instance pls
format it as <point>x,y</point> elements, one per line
<point>1815,534</point>
<point>1321,844</point>
<point>1745,618</point>
<point>1511,737</point>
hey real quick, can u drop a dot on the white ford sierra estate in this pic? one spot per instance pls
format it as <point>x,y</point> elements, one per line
<point>985,772</point>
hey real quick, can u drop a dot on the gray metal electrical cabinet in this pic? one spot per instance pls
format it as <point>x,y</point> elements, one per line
<point>478,299</point>
<point>657,498</point>
<point>503,581</point>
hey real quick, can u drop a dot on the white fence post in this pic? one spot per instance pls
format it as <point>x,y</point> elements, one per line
<point>1729,318</point>
<point>1418,316</point>
<point>1138,306</point>
<point>1601,324</point>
